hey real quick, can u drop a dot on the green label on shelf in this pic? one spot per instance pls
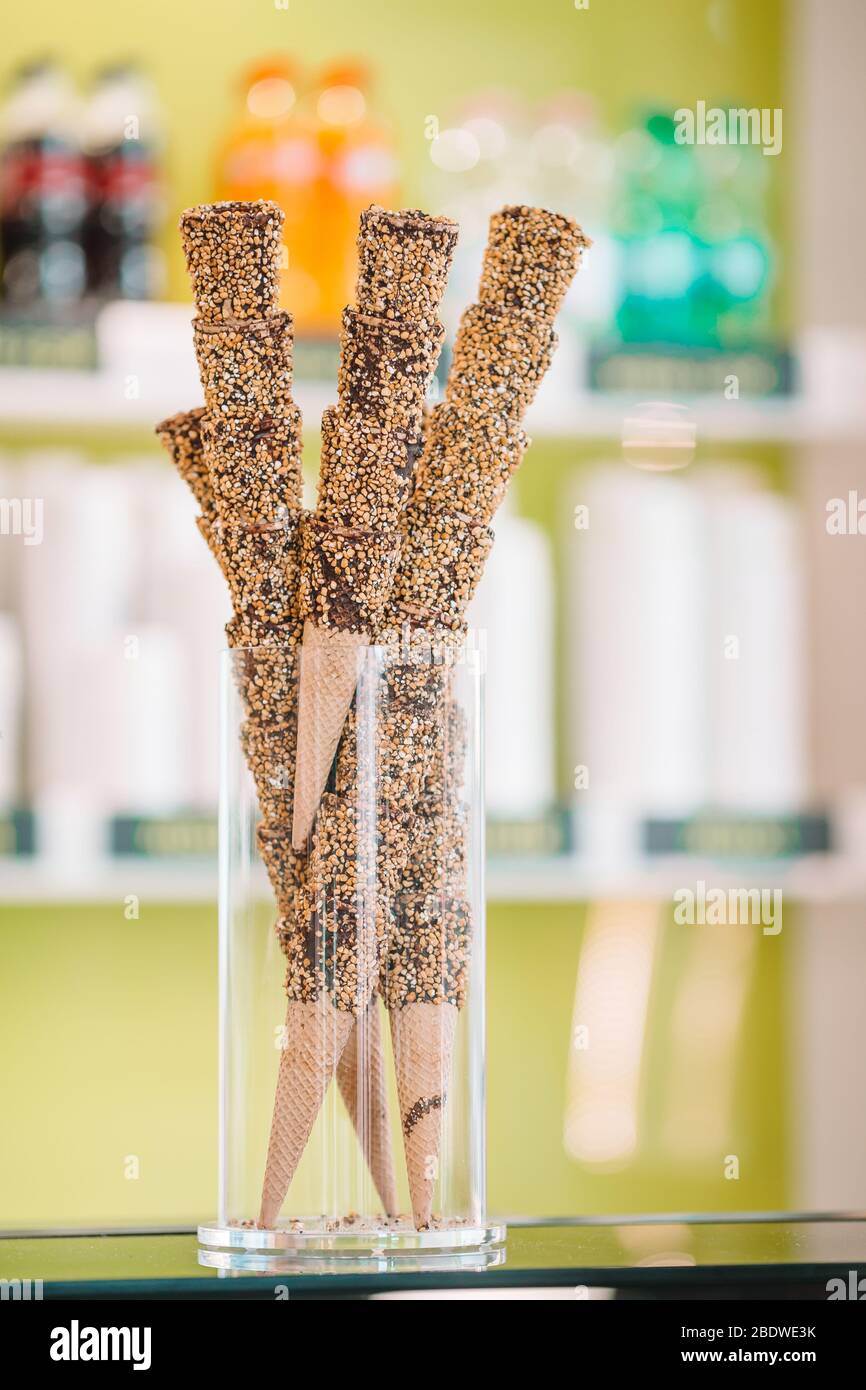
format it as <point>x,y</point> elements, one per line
<point>164,837</point>
<point>47,344</point>
<point>537,836</point>
<point>17,834</point>
<point>739,837</point>
<point>668,369</point>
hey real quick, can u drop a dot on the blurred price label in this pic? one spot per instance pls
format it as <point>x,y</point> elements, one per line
<point>673,370</point>
<point>17,834</point>
<point>164,837</point>
<point>535,837</point>
<point>48,344</point>
<point>739,837</point>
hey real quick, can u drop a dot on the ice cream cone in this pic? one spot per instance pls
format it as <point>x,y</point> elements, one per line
<point>447,552</point>
<point>404,259</point>
<point>266,672</point>
<point>181,436</point>
<point>254,465</point>
<point>316,1034</point>
<point>260,566</point>
<point>468,464</point>
<point>207,531</point>
<point>329,673</point>
<point>232,252</point>
<point>472,446</point>
<point>365,471</point>
<point>245,369</point>
<point>494,366</point>
<point>385,369</point>
<point>531,259</point>
<point>269,750</point>
<point>362,1082</point>
<point>284,868</point>
<point>389,346</point>
<point>423,1040</point>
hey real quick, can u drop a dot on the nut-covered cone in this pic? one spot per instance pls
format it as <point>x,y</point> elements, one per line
<point>285,870</point>
<point>333,946</point>
<point>542,366</point>
<point>254,465</point>
<point>270,753</point>
<point>315,1035</point>
<point>403,263</point>
<point>531,259</point>
<point>345,573</point>
<point>330,662</point>
<point>207,531</point>
<point>362,1080</point>
<point>242,631</point>
<point>365,472</point>
<point>494,369</point>
<point>342,860</point>
<point>260,564</point>
<point>233,256</point>
<point>266,674</point>
<point>441,563</point>
<point>245,369</point>
<point>181,436</point>
<point>467,463</point>
<point>386,368</point>
<point>429,946</point>
<point>423,1040</point>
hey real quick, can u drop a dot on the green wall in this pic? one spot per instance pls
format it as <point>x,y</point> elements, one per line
<point>108,1031</point>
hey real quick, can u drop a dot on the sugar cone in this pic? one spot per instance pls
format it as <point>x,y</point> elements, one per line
<point>423,1038</point>
<point>329,674</point>
<point>362,1082</point>
<point>316,1034</point>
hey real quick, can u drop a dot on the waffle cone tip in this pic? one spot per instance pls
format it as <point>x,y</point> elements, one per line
<point>361,1078</point>
<point>423,1037</point>
<point>329,673</point>
<point>315,1036</point>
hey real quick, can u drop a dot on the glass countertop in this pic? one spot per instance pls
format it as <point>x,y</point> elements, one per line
<point>615,1257</point>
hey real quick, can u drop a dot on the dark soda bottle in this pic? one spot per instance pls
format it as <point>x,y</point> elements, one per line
<point>122,142</point>
<point>42,190</point>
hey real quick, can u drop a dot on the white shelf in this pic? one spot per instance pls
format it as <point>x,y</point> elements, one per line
<point>38,881</point>
<point>791,421</point>
<point>152,374</point>
<point>813,880</point>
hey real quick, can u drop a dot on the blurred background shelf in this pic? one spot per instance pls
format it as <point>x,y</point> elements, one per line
<point>148,371</point>
<point>814,881</point>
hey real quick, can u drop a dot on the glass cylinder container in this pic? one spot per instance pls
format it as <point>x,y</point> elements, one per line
<point>352,1100</point>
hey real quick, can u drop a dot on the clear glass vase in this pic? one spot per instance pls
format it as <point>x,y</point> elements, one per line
<point>352,1104</point>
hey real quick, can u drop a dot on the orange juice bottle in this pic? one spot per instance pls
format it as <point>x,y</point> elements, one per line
<point>357,166</point>
<point>272,152</point>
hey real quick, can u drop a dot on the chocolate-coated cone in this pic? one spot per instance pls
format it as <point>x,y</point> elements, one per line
<point>329,674</point>
<point>423,1037</point>
<point>362,1082</point>
<point>316,1034</point>
<point>282,865</point>
<point>208,535</point>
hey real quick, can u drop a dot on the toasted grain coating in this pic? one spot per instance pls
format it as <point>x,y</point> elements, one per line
<point>404,260</point>
<point>245,369</point>
<point>254,465</point>
<point>233,256</point>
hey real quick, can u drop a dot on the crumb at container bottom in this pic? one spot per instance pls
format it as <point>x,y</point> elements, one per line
<point>387,952</point>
